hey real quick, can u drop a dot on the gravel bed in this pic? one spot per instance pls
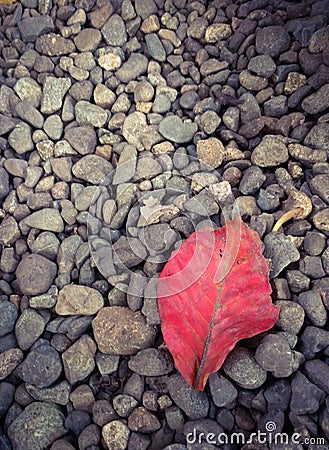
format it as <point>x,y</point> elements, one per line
<point>125,126</point>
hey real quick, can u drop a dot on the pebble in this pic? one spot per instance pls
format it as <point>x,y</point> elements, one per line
<point>79,359</point>
<point>252,180</point>
<point>124,404</point>
<point>242,368</point>
<point>35,274</point>
<point>83,139</point>
<point>20,138</point>
<point>151,362</point>
<point>262,65</point>
<point>57,394</point>
<point>42,366</point>
<point>272,40</point>
<point>120,331</point>
<point>222,390</point>
<point>29,327</point>
<point>194,403</point>
<point>54,90</point>
<point>114,31</point>
<point>4,183</point>
<point>270,152</point>
<point>316,103</point>
<point>317,372</point>
<point>116,435</point>
<point>143,421</point>
<point>281,251</point>
<point>305,396</point>
<point>88,114</point>
<point>133,127</point>
<point>41,419</point>
<point>8,317</point>
<point>291,316</point>
<point>48,219</point>
<point>52,44</point>
<point>274,355</point>
<point>9,231</point>
<point>92,168</point>
<point>74,299</point>
<point>9,360</point>
<point>320,186</point>
<point>313,340</point>
<point>133,68</point>
<point>318,137</point>
<point>307,155</point>
<point>211,151</point>
<point>175,130</point>
<point>28,89</point>
<point>321,220</point>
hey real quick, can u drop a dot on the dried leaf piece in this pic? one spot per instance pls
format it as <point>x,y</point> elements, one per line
<point>213,292</point>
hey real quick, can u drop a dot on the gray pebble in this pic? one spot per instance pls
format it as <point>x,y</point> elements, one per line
<point>29,327</point>
<point>8,317</point>
<point>42,366</point>
<point>174,129</point>
<point>252,180</point>
<point>151,362</point>
<point>305,396</point>
<point>274,355</point>
<point>242,368</point>
<point>195,404</point>
<point>35,274</point>
<point>41,419</point>
<point>222,390</point>
<point>281,251</point>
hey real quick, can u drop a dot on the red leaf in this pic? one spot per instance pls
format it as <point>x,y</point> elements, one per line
<point>213,292</point>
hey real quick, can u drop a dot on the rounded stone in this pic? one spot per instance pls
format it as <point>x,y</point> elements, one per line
<point>272,40</point>
<point>74,299</point>
<point>242,368</point>
<point>35,274</point>
<point>270,152</point>
<point>211,151</point>
<point>120,331</point>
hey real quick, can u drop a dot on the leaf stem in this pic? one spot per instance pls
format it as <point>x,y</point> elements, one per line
<point>287,216</point>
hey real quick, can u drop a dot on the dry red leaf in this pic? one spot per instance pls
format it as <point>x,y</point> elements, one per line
<point>213,292</point>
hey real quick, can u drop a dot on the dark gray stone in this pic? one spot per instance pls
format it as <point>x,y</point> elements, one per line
<point>312,303</point>
<point>306,398</point>
<point>32,27</point>
<point>317,371</point>
<point>313,340</point>
<point>281,251</point>
<point>252,180</point>
<point>222,390</point>
<point>272,40</point>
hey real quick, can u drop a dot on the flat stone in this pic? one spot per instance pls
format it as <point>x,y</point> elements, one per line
<point>32,27</point>
<point>54,90</point>
<point>83,139</point>
<point>48,219</point>
<point>280,249</point>
<point>29,114</point>
<point>89,114</point>
<point>270,152</point>
<point>317,102</point>
<point>143,421</point>
<point>53,45</point>
<point>20,138</point>
<point>4,183</point>
<point>151,362</point>
<point>320,186</point>
<point>272,40</point>
<point>88,40</point>
<point>305,396</point>
<point>217,31</point>
<point>120,331</point>
<point>252,82</point>
<point>155,47</point>
<point>147,168</point>
<point>42,366</point>
<point>74,299</point>
<point>54,394</point>
<point>312,303</point>
<point>241,367</point>
<point>79,359</point>
<point>318,137</point>
<point>133,68</point>
<point>9,231</point>
<point>35,274</point>
<point>194,403</point>
<point>274,355</point>
<point>29,327</point>
<point>133,127</point>
<point>307,155</point>
<point>222,390</point>
<point>291,316</point>
<point>126,166</point>
<point>114,31</point>
<point>317,372</point>
<point>9,360</point>
<point>92,168</point>
<point>262,65</point>
<point>116,432</point>
<point>28,89</point>
<point>8,317</point>
<point>174,129</point>
<point>38,426</point>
